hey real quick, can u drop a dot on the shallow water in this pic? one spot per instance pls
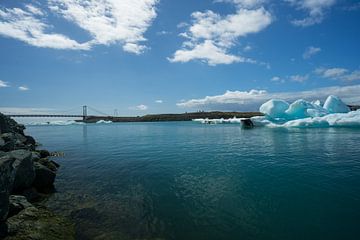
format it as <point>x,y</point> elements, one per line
<point>185,180</point>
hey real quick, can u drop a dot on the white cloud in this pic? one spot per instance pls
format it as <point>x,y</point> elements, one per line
<point>159,101</point>
<point>134,48</point>
<point>338,74</point>
<point>245,3</point>
<point>277,79</point>
<point>311,51</point>
<point>25,26</point>
<point>211,36</point>
<point>140,107</point>
<point>3,84</point>
<point>247,48</point>
<point>299,78</point>
<point>24,88</point>
<point>110,21</point>
<point>316,10</point>
<point>251,100</point>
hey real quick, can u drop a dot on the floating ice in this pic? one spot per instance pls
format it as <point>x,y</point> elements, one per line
<point>218,121</point>
<point>103,122</point>
<point>334,104</point>
<point>56,123</point>
<point>301,113</point>
<point>274,108</point>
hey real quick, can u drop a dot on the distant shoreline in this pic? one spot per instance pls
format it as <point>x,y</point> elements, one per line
<point>173,117</point>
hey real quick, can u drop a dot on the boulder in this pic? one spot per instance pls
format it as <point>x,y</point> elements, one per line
<point>49,164</point>
<point>9,142</point>
<point>39,223</point>
<point>17,204</point>
<point>44,178</point>
<point>6,184</point>
<point>8,125</point>
<point>44,153</point>
<point>247,123</point>
<point>24,169</point>
<point>2,143</point>
<point>30,140</point>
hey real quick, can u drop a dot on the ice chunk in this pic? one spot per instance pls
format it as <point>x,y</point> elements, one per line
<point>334,104</point>
<point>298,109</point>
<point>316,102</point>
<point>274,108</point>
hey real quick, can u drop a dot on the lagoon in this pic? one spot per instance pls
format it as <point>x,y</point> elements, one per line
<point>185,180</point>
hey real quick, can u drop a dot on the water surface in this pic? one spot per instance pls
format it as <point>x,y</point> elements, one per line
<point>185,180</point>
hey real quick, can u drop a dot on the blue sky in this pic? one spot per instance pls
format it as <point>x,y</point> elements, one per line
<point>149,56</point>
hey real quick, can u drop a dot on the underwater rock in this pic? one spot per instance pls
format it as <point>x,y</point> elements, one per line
<point>44,179</point>
<point>34,223</point>
<point>17,204</point>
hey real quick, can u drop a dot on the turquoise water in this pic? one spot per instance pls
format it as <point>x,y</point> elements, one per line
<point>185,180</point>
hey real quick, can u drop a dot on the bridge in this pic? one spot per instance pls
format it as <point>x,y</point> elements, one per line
<point>84,114</point>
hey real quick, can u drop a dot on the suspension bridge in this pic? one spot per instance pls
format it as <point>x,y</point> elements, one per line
<point>84,114</point>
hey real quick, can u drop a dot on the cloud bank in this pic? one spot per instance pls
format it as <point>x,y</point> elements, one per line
<point>106,21</point>
<point>315,9</point>
<point>251,100</point>
<point>210,36</point>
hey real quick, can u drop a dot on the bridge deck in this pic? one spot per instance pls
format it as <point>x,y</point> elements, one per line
<point>45,115</point>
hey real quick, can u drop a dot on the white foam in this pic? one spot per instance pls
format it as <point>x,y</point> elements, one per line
<point>55,123</point>
<point>103,122</point>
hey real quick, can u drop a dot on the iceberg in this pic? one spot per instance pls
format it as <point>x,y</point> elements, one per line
<point>274,108</point>
<point>302,114</point>
<point>334,104</point>
<point>103,122</point>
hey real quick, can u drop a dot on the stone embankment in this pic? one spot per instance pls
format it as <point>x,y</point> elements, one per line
<point>26,176</point>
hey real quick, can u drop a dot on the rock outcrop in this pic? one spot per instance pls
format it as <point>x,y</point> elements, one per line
<point>28,173</point>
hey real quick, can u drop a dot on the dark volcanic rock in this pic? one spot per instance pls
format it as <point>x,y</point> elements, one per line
<point>24,169</point>
<point>247,123</point>
<point>7,142</point>
<point>8,125</point>
<point>17,204</point>
<point>6,184</point>
<point>44,179</point>
<point>31,194</point>
<point>43,153</point>
<point>34,223</point>
<point>30,140</point>
<point>49,164</point>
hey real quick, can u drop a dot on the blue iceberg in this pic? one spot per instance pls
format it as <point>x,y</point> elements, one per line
<point>302,113</point>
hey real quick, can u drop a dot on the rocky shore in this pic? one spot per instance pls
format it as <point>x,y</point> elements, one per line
<point>26,176</point>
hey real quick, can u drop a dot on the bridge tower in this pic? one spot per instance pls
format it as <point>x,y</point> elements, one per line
<point>84,112</point>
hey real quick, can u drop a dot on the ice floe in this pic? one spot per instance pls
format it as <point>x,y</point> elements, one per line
<point>301,114</point>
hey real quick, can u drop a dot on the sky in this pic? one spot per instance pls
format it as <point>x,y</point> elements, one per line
<point>135,57</point>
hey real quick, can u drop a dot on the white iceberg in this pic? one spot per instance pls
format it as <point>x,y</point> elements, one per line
<point>301,113</point>
<point>334,104</point>
<point>103,122</point>
<point>274,108</point>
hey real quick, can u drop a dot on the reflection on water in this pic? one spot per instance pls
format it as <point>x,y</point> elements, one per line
<point>191,181</point>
